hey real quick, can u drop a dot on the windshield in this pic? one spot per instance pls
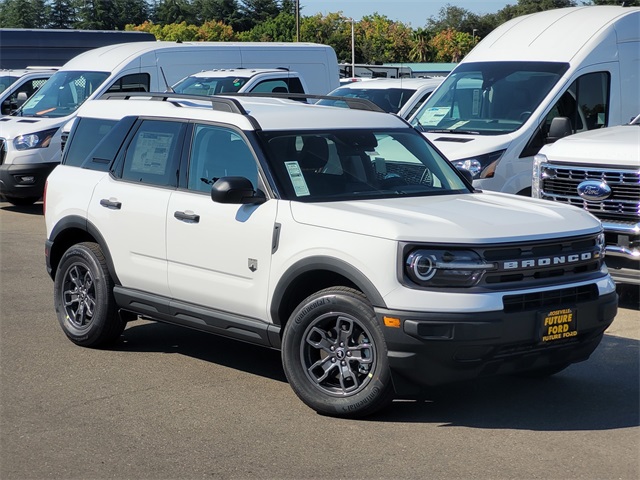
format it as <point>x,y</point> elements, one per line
<point>358,164</point>
<point>209,85</point>
<point>62,94</point>
<point>5,81</point>
<point>388,99</point>
<point>488,98</point>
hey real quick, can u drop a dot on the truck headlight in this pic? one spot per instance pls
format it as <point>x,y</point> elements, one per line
<point>480,166</point>
<point>34,140</point>
<point>445,268</point>
<point>536,176</point>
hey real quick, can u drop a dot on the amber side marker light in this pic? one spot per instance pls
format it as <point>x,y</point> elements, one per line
<point>391,322</point>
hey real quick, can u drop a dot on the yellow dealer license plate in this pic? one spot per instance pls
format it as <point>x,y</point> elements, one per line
<point>559,324</point>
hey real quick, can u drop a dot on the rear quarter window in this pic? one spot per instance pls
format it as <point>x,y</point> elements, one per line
<point>94,142</point>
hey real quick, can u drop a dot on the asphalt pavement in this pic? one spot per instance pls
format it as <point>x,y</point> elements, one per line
<point>171,403</point>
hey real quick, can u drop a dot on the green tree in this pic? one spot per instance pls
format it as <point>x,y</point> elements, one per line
<point>62,14</point>
<point>333,29</point>
<point>226,11</point>
<point>451,45</point>
<point>278,29</point>
<point>97,15</point>
<point>131,11</point>
<point>215,31</point>
<point>379,39</point>
<point>254,12</point>
<point>174,11</point>
<point>421,50</point>
<point>24,14</point>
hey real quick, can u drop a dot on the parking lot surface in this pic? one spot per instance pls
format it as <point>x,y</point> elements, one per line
<point>171,403</point>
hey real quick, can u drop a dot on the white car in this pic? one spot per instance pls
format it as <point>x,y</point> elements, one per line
<point>402,96</point>
<point>339,236</point>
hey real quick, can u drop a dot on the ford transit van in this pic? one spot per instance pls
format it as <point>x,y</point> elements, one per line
<point>492,113</point>
<point>31,140</point>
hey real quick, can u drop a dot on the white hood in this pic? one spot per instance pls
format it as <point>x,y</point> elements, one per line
<point>458,146</point>
<point>615,146</point>
<point>479,218</point>
<point>11,127</point>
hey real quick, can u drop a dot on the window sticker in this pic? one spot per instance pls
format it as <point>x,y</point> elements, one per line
<point>459,124</point>
<point>151,153</point>
<point>297,179</point>
<point>433,116</point>
<point>475,107</point>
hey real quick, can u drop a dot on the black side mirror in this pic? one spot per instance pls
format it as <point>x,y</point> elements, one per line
<point>560,127</point>
<point>237,190</point>
<point>466,174</point>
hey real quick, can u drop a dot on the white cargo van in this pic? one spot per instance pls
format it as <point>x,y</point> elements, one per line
<point>30,141</point>
<point>492,113</point>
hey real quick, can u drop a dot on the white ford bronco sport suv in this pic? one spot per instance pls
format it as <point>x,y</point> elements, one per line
<point>339,236</point>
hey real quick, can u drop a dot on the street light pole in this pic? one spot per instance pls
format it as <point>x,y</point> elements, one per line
<point>353,50</point>
<point>473,35</point>
<point>297,20</point>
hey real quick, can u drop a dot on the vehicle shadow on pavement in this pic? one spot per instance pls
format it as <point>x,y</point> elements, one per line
<point>601,393</point>
<point>35,209</point>
<point>629,296</point>
<point>145,336</point>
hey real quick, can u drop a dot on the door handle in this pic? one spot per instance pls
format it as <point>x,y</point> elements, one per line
<point>111,204</point>
<point>187,217</point>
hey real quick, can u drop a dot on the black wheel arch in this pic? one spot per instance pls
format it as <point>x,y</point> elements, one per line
<point>312,274</point>
<point>70,231</point>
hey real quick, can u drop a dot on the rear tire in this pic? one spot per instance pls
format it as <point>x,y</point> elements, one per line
<point>335,356</point>
<point>83,297</point>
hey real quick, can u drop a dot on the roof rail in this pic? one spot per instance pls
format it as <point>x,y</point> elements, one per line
<point>223,104</point>
<point>351,102</point>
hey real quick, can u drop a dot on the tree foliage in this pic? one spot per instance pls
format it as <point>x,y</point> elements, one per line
<point>447,37</point>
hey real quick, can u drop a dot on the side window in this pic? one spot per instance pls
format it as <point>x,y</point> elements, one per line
<point>218,152</point>
<point>137,82</point>
<point>87,134</point>
<point>153,154</point>
<point>585,103</point>
<point>29,87</point>
<point>283,85</point>
<point>418,104</point>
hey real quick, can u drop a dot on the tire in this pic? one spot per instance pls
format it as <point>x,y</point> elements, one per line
<point>83,297</point>
<point>335,356</point>
<point>22,202</point>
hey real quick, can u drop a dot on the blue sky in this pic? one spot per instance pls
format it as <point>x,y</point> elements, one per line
<point>413,12</point>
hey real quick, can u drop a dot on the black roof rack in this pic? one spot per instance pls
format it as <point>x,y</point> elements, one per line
<point>351,102</point>
<point>223,104</point>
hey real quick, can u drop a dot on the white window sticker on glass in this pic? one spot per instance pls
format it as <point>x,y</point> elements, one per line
<point>433,116</point>
<point>151,153</point>
<point>297,179</point>
<point>475,108</point>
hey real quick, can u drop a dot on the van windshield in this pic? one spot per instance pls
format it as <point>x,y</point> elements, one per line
<point>62,94</point>
<point>488,98</point>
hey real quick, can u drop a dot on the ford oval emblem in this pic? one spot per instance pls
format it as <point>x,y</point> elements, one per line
<point>594,190</point>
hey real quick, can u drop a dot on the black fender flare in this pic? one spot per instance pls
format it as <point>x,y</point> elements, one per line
<point>325,263</point>
<point>80,223</point>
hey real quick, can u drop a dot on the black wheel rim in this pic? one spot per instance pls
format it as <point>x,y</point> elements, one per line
<point>79,295</point>
<point>338,355</point>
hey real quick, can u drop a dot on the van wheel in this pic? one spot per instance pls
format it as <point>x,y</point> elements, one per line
<point>83,297</point>
<point>335,356</point>
<point>22,202</point>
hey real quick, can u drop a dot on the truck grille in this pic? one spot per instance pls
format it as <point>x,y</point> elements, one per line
<point>623,205</point>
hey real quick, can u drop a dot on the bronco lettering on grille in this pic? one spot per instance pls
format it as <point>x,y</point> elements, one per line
<point>549,261</point>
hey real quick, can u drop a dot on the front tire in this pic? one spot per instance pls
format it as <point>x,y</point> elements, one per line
<point>335,356</point>
<point>83,297</point>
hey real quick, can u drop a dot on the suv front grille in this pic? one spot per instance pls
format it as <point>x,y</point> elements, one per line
<point>543,262</point>
<point>550,299</point>
<point>560,184</point>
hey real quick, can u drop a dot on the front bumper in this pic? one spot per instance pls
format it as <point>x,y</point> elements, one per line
<point>437,348</point>
<point>24,180</point>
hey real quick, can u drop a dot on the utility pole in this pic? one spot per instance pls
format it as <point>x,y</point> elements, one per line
<point>297,20</point>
